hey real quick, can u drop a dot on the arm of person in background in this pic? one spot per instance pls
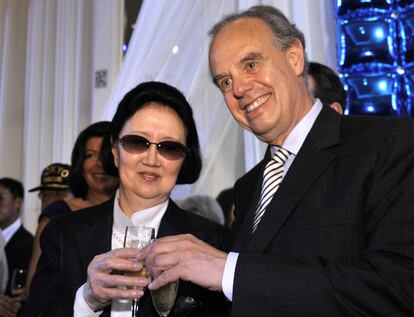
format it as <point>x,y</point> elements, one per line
<point>36,252</point>
<point>8,307</point>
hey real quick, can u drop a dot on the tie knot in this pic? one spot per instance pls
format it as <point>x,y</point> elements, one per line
<point>281,156</point>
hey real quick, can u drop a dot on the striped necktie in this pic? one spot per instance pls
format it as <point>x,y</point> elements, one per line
<point>272,177</point>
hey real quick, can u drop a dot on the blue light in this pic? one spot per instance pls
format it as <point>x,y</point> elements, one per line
<point>382,85</point>
<point>376,55</point>
<point>394,102</point>
<point>124,47</point>
<point>379,34</point>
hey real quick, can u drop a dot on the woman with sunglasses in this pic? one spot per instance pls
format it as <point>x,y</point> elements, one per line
<point>152,146</point>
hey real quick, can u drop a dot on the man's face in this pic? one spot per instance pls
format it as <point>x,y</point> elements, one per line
<point>263,86</point>
<point>9,207</point>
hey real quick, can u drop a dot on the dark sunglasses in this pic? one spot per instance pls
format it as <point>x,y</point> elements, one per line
<point>136,144</point>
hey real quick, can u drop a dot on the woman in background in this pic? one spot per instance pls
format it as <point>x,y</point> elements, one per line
<point>89,184</point>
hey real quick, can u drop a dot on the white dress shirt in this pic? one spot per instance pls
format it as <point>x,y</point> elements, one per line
<point>9,231</point>
<point>293,143</point>
<point>4,271</point>
<point>150,217</point>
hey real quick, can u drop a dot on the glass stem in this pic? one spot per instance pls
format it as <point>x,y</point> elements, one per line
<point>134,307</point>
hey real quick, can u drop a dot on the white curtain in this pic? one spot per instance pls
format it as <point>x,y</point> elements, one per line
<point>50,51</point>
<point>170,44</point>
<point>46,83</point>
<point>13,23</point>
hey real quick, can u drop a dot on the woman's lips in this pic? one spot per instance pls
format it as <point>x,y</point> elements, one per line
<point>149,177</point>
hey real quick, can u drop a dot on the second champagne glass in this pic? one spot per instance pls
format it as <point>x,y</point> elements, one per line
<point>164,298</point>
<point>138,237</point>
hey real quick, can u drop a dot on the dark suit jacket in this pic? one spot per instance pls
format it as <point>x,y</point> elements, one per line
<point>337,238</point>
<point>18,253</point>
<point>69,243</point>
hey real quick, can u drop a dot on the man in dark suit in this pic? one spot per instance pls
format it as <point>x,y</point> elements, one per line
<point>337,238</point>
<point>19,241</point>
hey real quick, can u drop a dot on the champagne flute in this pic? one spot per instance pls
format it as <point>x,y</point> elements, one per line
<point>164,298</point>
<point>138,237</point>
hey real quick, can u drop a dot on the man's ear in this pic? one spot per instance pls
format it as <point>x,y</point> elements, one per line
<point>18,202</point>
<point>296,56</point>
<point>337,107</point>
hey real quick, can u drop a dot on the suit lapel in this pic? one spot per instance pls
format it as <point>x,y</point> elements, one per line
<point>96,223</point>
<point>312,159</point>
<point>243,237</point>
<point>169,223</point>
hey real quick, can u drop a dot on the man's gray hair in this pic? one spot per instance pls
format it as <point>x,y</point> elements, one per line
<point>284,32</point>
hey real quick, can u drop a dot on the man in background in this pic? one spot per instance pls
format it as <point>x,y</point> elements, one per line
<point>54,184</point>
<point>19,242</point>
<point>325,84</point>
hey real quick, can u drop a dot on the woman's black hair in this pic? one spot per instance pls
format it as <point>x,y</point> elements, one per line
<point>77,183</point>
<point>168,96</point>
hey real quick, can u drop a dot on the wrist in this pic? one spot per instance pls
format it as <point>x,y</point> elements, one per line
<point>90,299</point>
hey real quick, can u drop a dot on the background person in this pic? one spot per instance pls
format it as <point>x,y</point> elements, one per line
<point>204,206</point>
<point>54,184</point>
<point>153,145</point>
<point>88,182</point>
<point>326,85</point>
<point>19,242</point>
<point>226,200</point>
<point>336,237</point>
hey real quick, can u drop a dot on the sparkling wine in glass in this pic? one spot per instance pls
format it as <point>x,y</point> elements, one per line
<point>164,298</point>
<point>138,237</point>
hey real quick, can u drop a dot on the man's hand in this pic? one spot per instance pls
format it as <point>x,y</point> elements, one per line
<point>105,274</point>
<point>184,257</point>
<point>8,306</point>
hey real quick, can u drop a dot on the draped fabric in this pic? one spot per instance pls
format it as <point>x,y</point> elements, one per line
<point>46,84</point>
<point>49,51</point>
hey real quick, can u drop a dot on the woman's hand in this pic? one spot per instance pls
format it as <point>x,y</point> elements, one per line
<point>106,275</point>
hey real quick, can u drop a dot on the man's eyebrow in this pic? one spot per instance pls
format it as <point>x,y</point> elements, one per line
<point>217,78</point>
<point>251,57</point>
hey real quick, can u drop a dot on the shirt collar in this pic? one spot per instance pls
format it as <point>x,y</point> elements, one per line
<point>297,136</point>
<point>9,231</point>
<point>150,217</point>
